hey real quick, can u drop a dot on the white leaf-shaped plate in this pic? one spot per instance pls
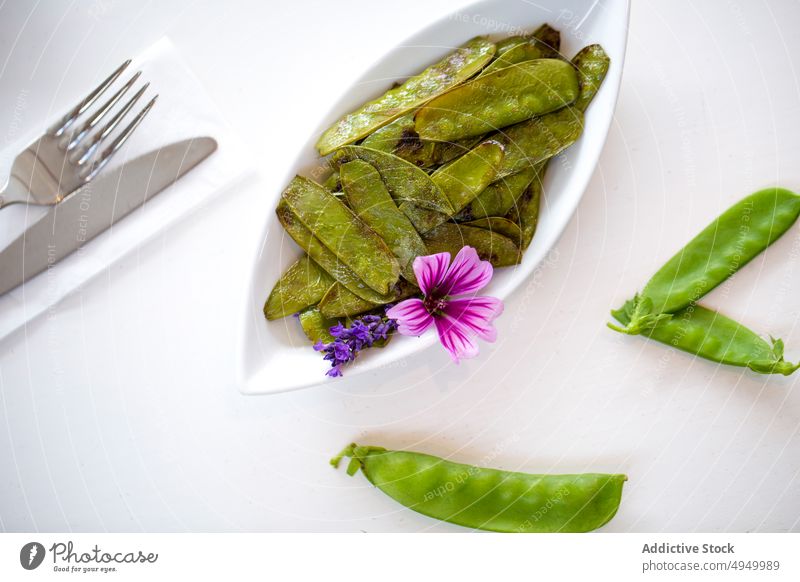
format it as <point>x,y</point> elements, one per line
<point>276,356</point>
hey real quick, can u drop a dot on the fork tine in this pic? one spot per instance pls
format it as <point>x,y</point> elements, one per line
<point>118,142</point>
<point>83,154</point>
<point>100,113</point>
<point>58,129</point>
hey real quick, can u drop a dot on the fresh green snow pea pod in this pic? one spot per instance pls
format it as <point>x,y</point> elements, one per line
<point>356,244</point>
<point>455,68</point>
<point>303,284</point>
<point>722,248</point>
<point>498,198</point>
<point>449,237</point>
<point>500,225</point>
<point>338,301</point>
<point>592,63</point>
<point>467,176</point>
<point>324,257</point>
<point>505,97</point>
<point>489,499</point>
<point>525,212</point>
<point>406,182</point>
<point>316,326</point>
<point>367,195</point>
<point>710,335</point>
<point>538,139</point>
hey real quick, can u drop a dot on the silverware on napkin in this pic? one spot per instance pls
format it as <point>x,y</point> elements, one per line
<point>68,155</point>
<point>95,207</point>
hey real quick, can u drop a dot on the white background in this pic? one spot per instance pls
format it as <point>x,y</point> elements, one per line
<point>118,409</point>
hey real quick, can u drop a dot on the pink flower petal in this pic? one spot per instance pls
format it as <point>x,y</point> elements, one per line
<point>467,274</point>
<point>412,317</point>
<point>456,338</point>
<point>476,314</point>
<point>430,271</point>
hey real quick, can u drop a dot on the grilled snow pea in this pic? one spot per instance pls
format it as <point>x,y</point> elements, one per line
<point>405,182</point>
<point>338,301</point>
<point>722,248</point>
<point>303,284</point>
<point>324,257</point>
<point>489,499</point>
<point>525,212</point>
<point>497,100</point>
<point>461,181</point>
<point>499,225</point>
<point>711,335</point>
<point>449,237</point>
<point>447,73</point>
<point>370,200</point>
<point>524,49</point>
<point>592,63</point>
<point>538,139</point>
<point>464,178</point>
<point>498,197</point>
<point>316,326</point>
<point>546,36</point>
<point>334,224</point>
<point>389,137</point>
<point>401,139</point>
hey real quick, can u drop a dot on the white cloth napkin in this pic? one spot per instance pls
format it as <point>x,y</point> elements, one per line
<point>183,110</point>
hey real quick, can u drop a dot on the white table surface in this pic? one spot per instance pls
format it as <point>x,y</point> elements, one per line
<point>118,409</point>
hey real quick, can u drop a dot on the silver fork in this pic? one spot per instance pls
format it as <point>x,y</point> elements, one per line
<point>68,155</point>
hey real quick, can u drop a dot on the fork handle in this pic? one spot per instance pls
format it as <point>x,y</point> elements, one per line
<point>14,192</point>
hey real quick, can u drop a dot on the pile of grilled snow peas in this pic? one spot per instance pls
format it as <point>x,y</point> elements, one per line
<point>453,156</point>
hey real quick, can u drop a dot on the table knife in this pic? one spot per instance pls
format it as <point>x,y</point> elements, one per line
<point>95,207</point>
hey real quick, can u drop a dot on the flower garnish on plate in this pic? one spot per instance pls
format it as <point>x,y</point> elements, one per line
<point>450,303</point>
<point>362,333</point>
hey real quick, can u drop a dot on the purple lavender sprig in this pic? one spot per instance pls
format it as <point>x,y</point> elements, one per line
<point>349,341</point>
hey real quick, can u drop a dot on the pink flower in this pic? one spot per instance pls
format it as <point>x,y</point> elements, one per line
<point>458,320</point>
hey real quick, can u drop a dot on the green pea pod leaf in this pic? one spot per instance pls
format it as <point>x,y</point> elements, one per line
<point>435,80</point>
<point>485,498</point>
<point>303,284</point>
<point>505,97</point>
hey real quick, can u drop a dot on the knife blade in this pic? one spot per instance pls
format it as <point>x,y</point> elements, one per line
<point>95,207</point>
